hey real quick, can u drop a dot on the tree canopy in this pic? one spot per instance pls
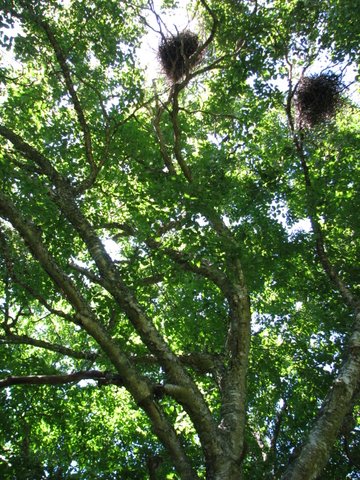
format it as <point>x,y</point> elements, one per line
<point>179,256</point>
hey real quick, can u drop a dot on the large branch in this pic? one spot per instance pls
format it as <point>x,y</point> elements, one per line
<point>64,196</point>
<point>134,383</point>
<point>298,139</point>
<point>316,450</point>
<point>237,348</point>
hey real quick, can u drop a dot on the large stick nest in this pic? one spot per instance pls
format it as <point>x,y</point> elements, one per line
<point>317,98</point>
<point>176,54</point>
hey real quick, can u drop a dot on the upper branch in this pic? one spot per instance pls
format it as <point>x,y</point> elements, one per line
<point>160,136</point>
<point>215,23</point>
<point>29,12</point>
<point>71,89</point>
<point>329,269</point>
<point>32,154</point>
<point>298,139</point>
<point>174,115</point>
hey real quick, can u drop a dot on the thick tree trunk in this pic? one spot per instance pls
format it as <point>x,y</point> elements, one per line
<point>316,451</point>
<point>224,468</point>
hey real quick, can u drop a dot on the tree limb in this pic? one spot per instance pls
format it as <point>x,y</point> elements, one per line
<point>71,89</point>
<point>174,115</point>
<point>163,148</point>
<point>298,140</point>
<point>12,338</point>
<point>59,379</point>
<point>64,196</point>
<point>315,452</point>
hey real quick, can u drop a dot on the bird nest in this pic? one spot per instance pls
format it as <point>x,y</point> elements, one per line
<point>176,54</point>
<point>317,98</point>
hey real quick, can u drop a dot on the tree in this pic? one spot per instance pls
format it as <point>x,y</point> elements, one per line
<point>178,262</point>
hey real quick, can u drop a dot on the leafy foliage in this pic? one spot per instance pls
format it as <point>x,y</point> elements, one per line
<point>179,289</point>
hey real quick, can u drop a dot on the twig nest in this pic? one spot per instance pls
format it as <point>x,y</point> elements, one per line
<point>317,98</point>
<point>175,54</point>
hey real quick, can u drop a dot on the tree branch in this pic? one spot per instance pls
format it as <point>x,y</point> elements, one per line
<point>163,148</point>
<point>86,272</point>
<point>32,154</point>
<point>214,25</point>
<point>31,14</point>
<point>58,379</point>
<point>71,89</point>
<point>316,449</point>
<point>200,362</point>
<point>344,291</point>
<point>174,115</point>
<point>134,383</point>
<point>5,250</point>
<point>271,454</point>
<point>64,196</point>
<point>11,338</point>
<point>315,452</point>
<point>298,140</point>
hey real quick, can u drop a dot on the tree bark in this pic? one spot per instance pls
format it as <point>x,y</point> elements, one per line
<point>316,450</point>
